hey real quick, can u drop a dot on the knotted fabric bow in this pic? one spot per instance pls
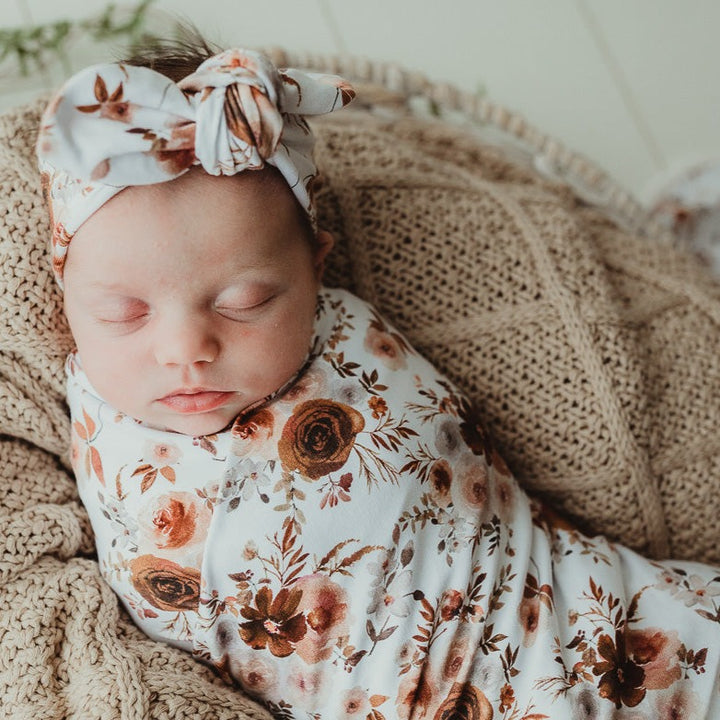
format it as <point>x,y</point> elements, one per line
<point>115,125</point>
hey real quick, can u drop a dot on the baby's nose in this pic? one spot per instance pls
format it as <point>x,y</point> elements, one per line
<point>186,341</point>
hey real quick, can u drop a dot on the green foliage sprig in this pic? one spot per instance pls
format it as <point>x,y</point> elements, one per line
<point>32,46</point>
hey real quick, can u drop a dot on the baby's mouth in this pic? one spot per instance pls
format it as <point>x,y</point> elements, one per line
<point>189,401</point>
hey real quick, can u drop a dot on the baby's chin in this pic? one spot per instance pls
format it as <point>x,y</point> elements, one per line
<point>193,425</point>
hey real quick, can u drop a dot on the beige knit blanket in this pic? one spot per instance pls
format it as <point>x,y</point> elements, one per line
<point>592,354</point>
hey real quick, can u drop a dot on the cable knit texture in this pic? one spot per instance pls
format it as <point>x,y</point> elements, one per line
<point>592,354</point>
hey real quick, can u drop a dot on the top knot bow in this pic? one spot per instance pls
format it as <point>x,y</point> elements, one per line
<point>115,125</point>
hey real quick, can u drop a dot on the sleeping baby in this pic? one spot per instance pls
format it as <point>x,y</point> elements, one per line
<point>277,482</point>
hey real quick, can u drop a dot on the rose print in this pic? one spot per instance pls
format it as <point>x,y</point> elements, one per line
<point>416,692</point>
<point>162,453</point>
<point>165,584</point>
<point>157,458</point>
<point>656,652</point>
<point>458,657</point>
<point>174,520</point>
<point>251,433</point>
<point>451,603</point>
<point>318,437</point>
<point>305,687</point>
<point>440,480</point>
<point>258,676</point>
<point>529,616</point>
<point>325,606</point>
<point>355,704</point>
<point>465,702</point>
<point>386,347</point>
<point>470,486</point>
<point>680,701</point>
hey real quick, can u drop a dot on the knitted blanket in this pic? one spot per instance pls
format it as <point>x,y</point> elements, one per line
<point>592,354</point>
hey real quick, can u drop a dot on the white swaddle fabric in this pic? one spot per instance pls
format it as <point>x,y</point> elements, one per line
<point>353,548</point>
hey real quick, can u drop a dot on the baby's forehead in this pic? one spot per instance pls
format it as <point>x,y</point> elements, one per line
<point>248,218</point>
<point>246,198</point>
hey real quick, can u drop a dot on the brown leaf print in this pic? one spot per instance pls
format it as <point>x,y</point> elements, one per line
<point>347,91</point>
<point>110,105</point>
<point>253,118</point>
<point>86,431</point>
<point>165,584</point>
<point>176,153</point>
<point>318,437</point>
<point>274,623</point>
<point>464,702</point>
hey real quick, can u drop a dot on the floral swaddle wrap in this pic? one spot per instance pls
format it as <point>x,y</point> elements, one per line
<point>353,547</point>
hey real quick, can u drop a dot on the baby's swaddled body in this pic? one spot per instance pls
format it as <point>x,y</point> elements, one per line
<point>353,547</point>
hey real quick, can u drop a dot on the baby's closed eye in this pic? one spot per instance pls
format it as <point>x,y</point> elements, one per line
<point>243,311</point>
<point>245,303</point>
<point>121,311</point>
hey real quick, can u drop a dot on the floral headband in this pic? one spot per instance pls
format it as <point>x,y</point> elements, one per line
<point>116,125</point>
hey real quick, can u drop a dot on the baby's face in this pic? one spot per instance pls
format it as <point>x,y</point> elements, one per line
<point>192,299</point>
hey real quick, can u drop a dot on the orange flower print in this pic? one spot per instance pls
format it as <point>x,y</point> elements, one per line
<point>157,459</point>
<point>507,698</point>
<point>656,652</point>
<point>60,240</point>
<point>162,453</point>
<point>252,433</point>
<point>355,704</point>
<point>175,153</point>
<point>318,438</point>
<point>465,702</point>
<point>165,584</point>
<point>305,687</point>
<point>84,454</point>
<point>275,623</point>
<point>679,702</point>
<point>325,606</point>
<point>458,657</point>
<point>621,679</point>
<point>174,520</point>
<point>478,440</point>
<point>505,498</point>
<point>451,603</point>
<point>416,692</point>
<point>311,383</point>
<point>470,486</point>
<point>529,616</point>
<point>440,479</point>
<point>386,347</point>
<point>258,676</point>
<point>378,406</point>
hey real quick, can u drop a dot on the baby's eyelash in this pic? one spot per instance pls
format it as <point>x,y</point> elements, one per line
<point>122,319</point>
<point>239,311</point>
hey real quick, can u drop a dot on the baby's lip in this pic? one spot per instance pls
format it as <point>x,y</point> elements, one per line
<point>189,401</point>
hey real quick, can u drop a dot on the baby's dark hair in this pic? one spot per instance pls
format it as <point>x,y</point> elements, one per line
<point>176,57</point>
<point>179,57</point>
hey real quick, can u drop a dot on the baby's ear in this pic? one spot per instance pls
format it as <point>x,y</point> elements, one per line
<point>324,242</point>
